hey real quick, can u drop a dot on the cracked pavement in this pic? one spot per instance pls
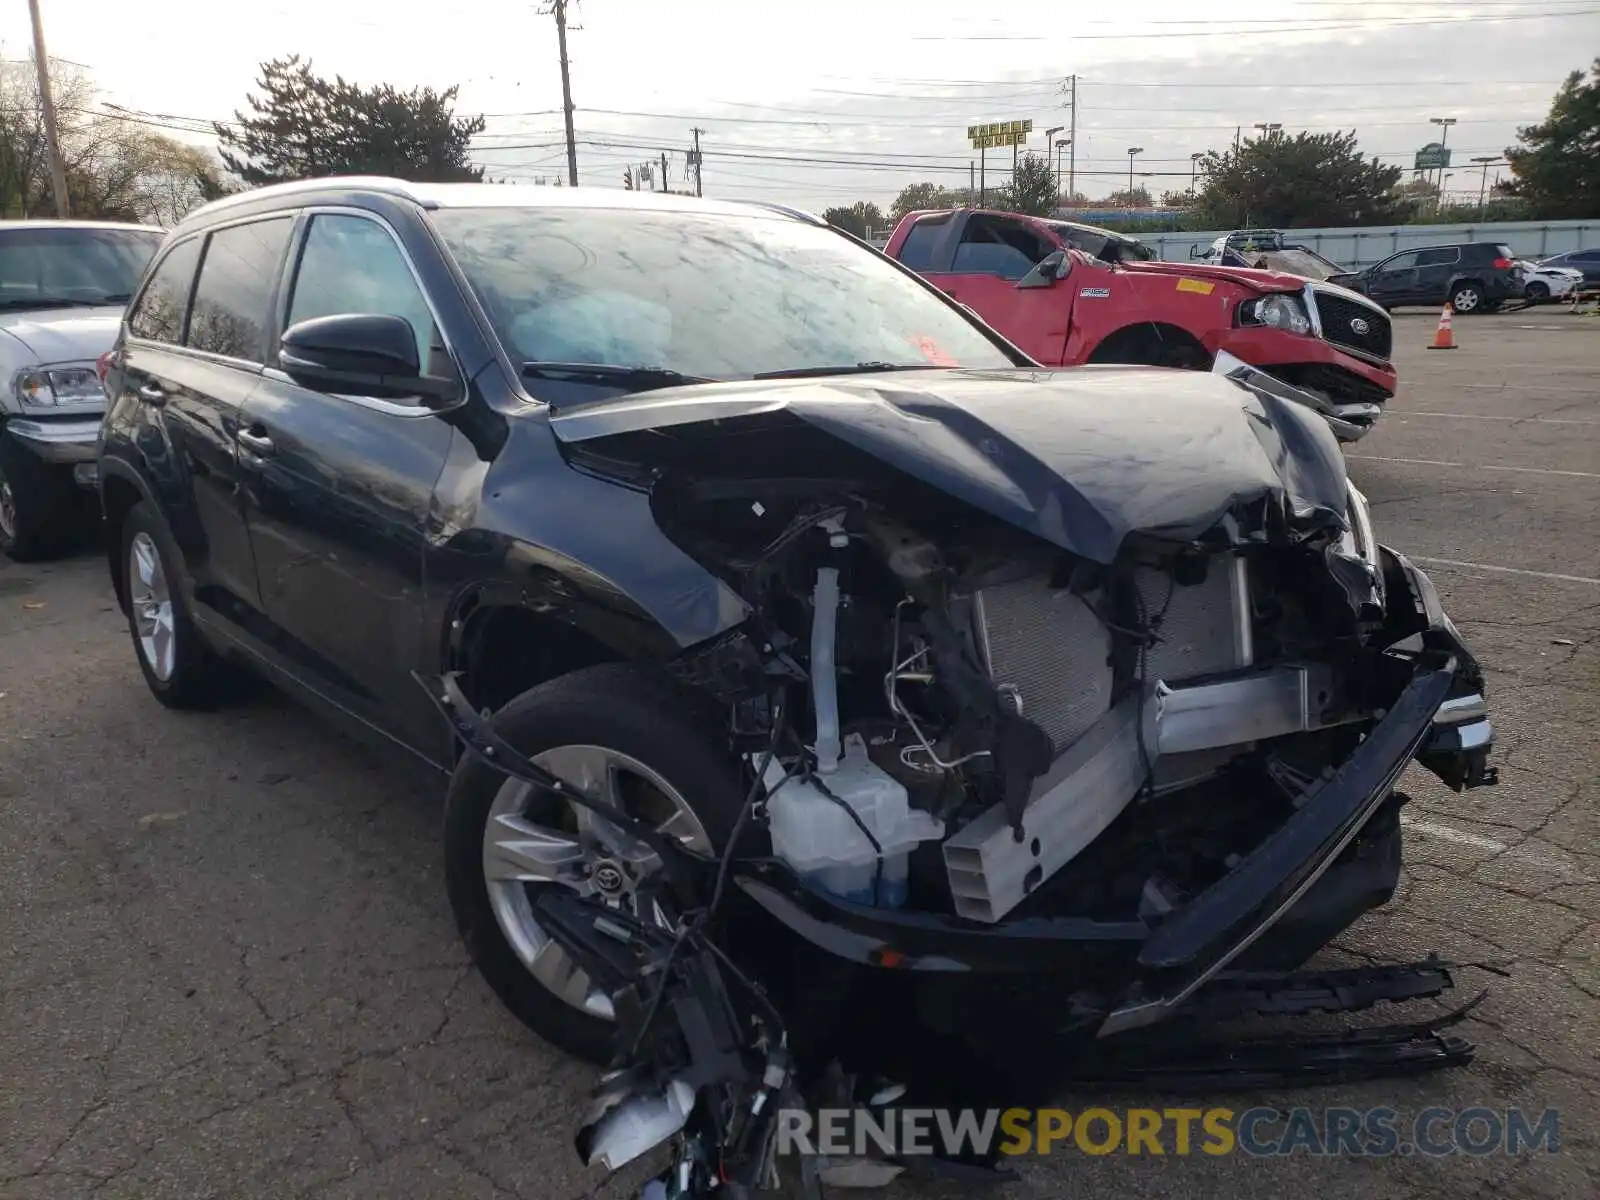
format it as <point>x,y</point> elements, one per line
<point>229,969</point>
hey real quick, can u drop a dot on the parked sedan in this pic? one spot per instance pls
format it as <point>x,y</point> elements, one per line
<point>1586,261</point>
<point>676,508</point>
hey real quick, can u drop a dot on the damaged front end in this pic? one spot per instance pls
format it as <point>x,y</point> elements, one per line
<point>1100,685</point>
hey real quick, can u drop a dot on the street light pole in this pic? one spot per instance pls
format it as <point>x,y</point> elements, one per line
<point>1132,150</point>
<point>1483,186</point>
<point>1049,145</point>
<point>1194,167</point>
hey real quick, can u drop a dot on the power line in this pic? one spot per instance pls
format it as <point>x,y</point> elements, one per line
<point>1332,24</point>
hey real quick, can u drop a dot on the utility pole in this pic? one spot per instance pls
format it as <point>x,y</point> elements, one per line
<point>972,180</point>
<point>1237,130</point>
<point>559,8</point>
<point>1444,124</point>
<point>1072,143</point>
<point>47,105</point>
<point>983,167</point>
<point>663,170</point>
<point>697,131</point>
<point>1483,186</point>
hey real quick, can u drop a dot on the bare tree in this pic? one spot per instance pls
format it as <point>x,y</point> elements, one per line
<point>117,168</point>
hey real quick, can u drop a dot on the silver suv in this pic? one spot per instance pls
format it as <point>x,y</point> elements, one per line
<point>63,286</point>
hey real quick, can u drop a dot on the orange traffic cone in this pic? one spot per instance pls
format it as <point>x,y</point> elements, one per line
<point>1443,337</point>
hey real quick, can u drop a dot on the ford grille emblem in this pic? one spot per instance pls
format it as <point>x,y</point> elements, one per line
<point>1359,327</point>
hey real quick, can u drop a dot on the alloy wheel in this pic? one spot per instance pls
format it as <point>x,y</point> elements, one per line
<point>8,509</point>
<point>151,600</point>
<point>532,839</point>
<point>1465,300</point>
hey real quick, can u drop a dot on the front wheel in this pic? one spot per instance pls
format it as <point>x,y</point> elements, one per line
<point>616,733</point>
<point>38,506</point>
<point>1467,298</point>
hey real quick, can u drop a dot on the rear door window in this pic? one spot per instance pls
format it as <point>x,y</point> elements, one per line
<point>158,313</point>
<point>233,297</point>
<point>1439,257</point>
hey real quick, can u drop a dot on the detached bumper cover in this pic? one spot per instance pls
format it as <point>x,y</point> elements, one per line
<point>71,441</point>
<point>1350,422</point>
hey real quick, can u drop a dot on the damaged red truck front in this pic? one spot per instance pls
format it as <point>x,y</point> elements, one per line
<point>1068,294</point>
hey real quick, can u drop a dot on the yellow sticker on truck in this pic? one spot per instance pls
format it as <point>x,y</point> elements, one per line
<point>1201,286</point>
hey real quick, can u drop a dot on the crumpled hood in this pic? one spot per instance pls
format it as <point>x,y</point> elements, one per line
<point>65,334</point>
<point>1251,277</point>
<point>1081,458</point>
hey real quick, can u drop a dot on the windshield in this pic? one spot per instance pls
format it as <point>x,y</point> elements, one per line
<point>1102,245</point>
<point>704,295</point>
<point>1304,263</point>
<point>72,265</point>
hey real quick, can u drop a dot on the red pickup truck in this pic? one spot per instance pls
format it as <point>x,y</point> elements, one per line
<point>1067,294</point>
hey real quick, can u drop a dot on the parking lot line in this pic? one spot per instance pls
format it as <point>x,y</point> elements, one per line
<point>1404,412</point>
<point>1539,862</point>
<point>1435,462</point>
<point>1472,566</point>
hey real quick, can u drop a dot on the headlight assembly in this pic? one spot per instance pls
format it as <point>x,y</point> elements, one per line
<point>1276,312</point>
<point>57,387</point>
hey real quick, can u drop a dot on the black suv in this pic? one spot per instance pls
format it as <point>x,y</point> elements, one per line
<point>673,512</point>
<point>1475,277</point>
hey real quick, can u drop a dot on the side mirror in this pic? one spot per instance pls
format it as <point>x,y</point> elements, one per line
<point>359,354</point>
<point>1047,270</point>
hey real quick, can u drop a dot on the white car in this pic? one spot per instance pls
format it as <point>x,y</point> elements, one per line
<point>63,286</point>
<point>1541,283</point>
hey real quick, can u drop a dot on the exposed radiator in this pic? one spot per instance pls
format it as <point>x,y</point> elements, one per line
<point>1049,650</point>
<point>1206,627</point>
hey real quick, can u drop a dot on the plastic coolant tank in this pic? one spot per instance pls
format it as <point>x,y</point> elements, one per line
<point>816,837</point>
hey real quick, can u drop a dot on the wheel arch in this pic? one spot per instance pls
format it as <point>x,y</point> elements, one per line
<point>120,490</point>
<point>505,638</point>
<point>1126,343</point>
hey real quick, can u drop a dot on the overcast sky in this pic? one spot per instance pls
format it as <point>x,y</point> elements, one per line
<point>836,101</point>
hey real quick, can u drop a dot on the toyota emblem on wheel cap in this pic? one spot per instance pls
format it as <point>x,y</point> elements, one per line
<point>608,878</point>
<point>1359,326</point>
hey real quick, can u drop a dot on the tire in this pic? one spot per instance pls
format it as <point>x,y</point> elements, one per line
<point>1466,298</point>
<point>1536,293</point>
<point>623,710</point>
<point>39,510</point>
<point>189,675</point>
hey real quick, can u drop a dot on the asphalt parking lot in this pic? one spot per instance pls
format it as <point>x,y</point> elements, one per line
<point>228,968</point>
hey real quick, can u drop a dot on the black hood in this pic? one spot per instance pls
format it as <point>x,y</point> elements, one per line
<point>1081,458</point>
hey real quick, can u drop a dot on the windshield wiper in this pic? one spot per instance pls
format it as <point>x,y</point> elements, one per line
<point>860,368</point>
<point>637,379</point>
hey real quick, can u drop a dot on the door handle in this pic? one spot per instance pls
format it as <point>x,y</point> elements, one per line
<point>257,443</point>
<point>152,393</point>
